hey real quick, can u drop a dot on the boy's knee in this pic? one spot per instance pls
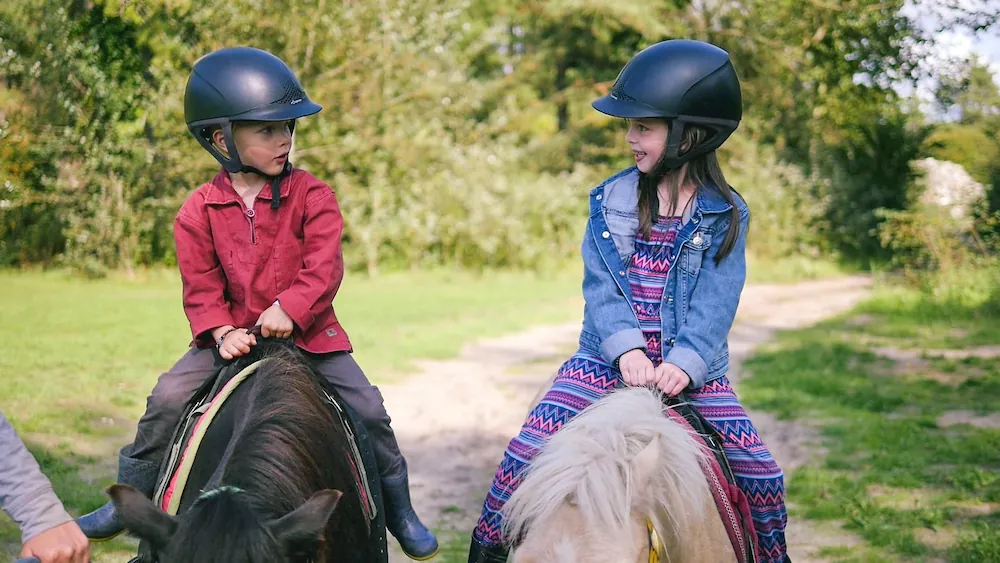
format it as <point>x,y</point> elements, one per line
<point>369,407</point>
<point>165,402</point>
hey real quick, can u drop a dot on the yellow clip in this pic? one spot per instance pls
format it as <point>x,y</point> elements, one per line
<point>655,543</point>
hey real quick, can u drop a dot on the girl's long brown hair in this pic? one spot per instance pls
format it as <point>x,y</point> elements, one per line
<point>701,170</point>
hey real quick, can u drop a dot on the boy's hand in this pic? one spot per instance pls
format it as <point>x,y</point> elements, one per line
<point>275,322</point>
<point>236,343</point>
<point>671,379</point>
<point>636,368</point>
<point>61,544</point>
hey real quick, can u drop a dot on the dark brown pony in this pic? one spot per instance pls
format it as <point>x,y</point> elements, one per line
<point>277,480</point>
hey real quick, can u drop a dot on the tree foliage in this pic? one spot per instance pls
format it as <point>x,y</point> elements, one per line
<point>454,131</point>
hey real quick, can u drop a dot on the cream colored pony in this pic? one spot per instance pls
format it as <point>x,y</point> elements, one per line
<point>613,483</point>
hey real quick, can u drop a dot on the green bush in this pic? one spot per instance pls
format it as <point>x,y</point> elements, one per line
<point>784,206</point>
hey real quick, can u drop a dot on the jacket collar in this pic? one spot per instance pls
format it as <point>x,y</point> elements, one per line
<point>222,192</point>
<point>621,192</point>
<point>710,199</point>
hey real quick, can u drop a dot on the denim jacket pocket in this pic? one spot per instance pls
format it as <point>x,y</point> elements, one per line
<point>693,252</point>
<point>623,226</point>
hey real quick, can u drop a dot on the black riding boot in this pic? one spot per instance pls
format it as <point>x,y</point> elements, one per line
<point>103,524</point>
<point>480,553</point>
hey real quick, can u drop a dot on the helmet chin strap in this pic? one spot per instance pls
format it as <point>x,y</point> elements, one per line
<point>275,180</point>
<point>719,130</point>
<point>234,164</point>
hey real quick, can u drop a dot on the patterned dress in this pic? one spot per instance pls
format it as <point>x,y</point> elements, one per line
<point>585,378</point>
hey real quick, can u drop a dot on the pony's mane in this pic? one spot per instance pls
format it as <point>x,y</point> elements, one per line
<point>287,443</point>
<point>590,463</point>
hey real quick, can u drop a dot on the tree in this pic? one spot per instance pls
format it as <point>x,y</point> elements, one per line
<point>973,95</point>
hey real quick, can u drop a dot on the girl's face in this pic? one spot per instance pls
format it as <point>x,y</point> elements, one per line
<point>648,140</point>
<point>261,144</point>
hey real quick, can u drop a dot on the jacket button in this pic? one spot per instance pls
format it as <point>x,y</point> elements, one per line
<point>670,299</point>
<point>621,272</point>
<point>695,220</point>
<point>598,196</point>
<point>605,234</point>
<point>670,342</point>
<point>250,213</point>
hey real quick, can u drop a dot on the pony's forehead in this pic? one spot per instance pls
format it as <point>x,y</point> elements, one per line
<point>570,541</point>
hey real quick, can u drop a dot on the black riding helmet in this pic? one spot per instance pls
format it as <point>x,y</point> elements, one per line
<point>242,84</point>
<point>683,81</point>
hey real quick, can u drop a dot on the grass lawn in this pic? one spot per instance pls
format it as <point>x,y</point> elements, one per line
<point>914,443</point>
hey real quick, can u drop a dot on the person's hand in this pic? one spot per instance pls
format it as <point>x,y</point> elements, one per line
<point>63,544</point>
<point>636,368</point>
<point>275,322</point>
<point>236,343</point>
<point>671,379</point>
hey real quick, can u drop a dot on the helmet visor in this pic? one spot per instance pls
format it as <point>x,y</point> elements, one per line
<point>618,106</point>
<point>279,112</point>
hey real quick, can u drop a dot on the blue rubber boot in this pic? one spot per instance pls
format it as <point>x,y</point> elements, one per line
<point>103,524</point>
<point>417,541</point>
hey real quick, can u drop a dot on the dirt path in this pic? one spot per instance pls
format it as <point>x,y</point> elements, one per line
<point>454,418</point>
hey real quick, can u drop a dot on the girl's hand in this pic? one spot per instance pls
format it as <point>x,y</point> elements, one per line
<point>671,379</point>
<point>236,343</point>
<point>636,368</point>
<point>275,322</point>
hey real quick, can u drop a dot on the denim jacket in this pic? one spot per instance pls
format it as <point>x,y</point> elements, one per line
<point>700,298</point>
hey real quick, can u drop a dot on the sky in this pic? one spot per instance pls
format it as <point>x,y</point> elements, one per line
<point>958,43</point>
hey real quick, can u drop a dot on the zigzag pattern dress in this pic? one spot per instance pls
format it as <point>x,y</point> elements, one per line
<point>585,378</point>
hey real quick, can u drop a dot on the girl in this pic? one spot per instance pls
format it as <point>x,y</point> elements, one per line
<point>259,245</point>
<point>664,319</point>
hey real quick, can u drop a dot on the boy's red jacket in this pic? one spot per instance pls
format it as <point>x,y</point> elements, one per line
<point>235,262</point>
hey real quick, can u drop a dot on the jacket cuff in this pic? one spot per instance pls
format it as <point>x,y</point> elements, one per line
<point>621,342</point>
<point>204,323</point>
<point>297,308</point>
<point>692,364</point>
<point>44,512</point>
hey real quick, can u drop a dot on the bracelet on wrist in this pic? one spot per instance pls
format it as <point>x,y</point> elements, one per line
<point>218,343</point>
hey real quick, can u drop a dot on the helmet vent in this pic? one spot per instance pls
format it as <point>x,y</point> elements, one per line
<point>618,92</point>
<point>293,93</point>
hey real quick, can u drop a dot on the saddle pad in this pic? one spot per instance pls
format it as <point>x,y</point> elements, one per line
<point>175,490</point>
<point>729,498</point>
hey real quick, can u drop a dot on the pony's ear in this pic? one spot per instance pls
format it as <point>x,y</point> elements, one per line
<point>306,523</point>
<point>141,517</point>
<point>647,462</point>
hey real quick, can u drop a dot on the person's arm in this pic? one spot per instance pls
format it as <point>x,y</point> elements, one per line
<point>712,310</point>
<point>612,314</point>
<point>202,277</point>
<point>322,269</point>
<point>26,494</point>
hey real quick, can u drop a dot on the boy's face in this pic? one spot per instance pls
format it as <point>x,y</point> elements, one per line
<point>648,139</point>
<point>261,144</point>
